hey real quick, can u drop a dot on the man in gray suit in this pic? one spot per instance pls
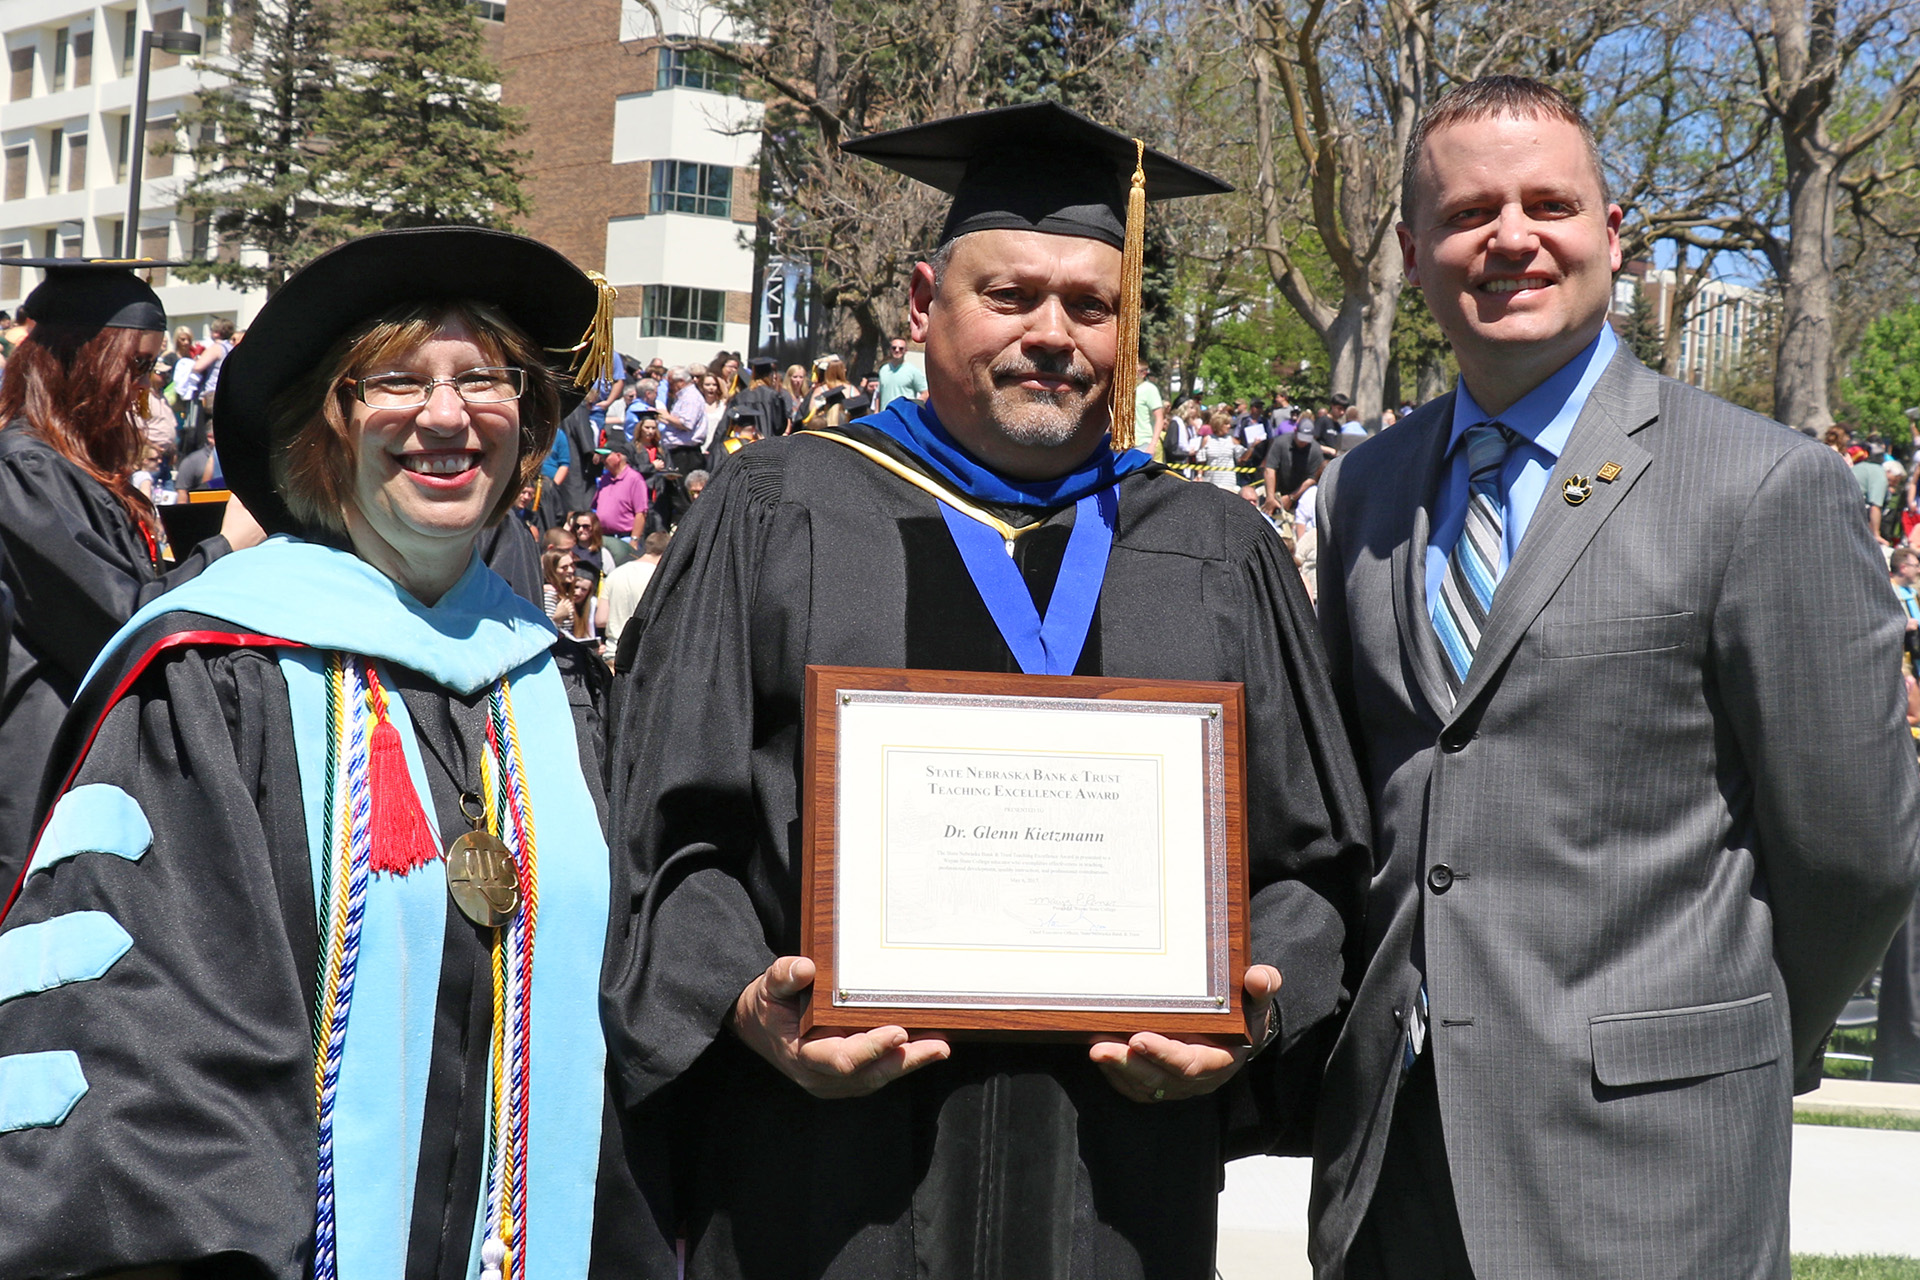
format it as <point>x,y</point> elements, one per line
<point>1641,821</point>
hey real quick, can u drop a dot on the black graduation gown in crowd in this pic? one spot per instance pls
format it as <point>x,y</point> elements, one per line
<point>769,405</point>
<point>1008,1160</point>
<point>78,568</point>
<point>195,1141</point>
<point>511,550</point>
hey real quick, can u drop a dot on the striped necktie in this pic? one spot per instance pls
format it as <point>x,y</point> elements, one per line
<point>1473,569</point>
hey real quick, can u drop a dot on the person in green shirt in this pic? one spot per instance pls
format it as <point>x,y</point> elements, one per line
<point>1871,474</point>
<point>1149,418</point>
<point>898,378</point>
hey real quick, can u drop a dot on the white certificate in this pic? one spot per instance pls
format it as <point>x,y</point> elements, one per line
<point>1029,853</point>
<point>1023,850</point>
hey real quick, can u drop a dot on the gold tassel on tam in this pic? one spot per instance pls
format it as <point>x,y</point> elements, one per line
<point>595,347</point>
<point>1126,363</point>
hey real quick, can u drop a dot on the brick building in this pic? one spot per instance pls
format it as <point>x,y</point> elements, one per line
<point>640,165</point>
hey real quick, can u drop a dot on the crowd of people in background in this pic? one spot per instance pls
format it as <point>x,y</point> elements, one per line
<point>629,463</point>
<point>177,456</point>
<point>634,457</point>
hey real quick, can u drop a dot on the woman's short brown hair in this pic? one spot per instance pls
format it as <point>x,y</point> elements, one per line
<point>310,451</point>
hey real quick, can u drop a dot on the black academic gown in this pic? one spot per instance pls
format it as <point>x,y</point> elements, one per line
<point>195,1141</point>
<point>511,550</point>
<point>78,568</point>
<point>1009,1160</point>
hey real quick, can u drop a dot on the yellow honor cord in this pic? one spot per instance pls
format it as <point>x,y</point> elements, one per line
<point>1126,362</point>
<point>595,347</point>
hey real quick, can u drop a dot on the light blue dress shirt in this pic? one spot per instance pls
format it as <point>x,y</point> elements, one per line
<point>1545,418</point>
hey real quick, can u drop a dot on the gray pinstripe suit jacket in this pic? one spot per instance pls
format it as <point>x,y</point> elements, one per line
<point>1679,806</point>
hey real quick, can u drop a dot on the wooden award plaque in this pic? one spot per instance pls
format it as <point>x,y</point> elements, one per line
<point>1026,856</point>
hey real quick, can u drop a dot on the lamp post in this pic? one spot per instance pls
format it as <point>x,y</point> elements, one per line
<point>172,42</point>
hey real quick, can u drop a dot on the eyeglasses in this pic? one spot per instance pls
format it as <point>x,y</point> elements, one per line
<point>141,366</point>
<point>491,385</point>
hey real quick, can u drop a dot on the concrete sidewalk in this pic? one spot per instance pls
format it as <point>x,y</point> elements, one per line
<point>1854,1191</point>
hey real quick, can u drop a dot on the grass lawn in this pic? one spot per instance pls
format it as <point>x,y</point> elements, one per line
<point>1860,1119</point>
<point>1850,1040</point>
<point>1814,1266</point>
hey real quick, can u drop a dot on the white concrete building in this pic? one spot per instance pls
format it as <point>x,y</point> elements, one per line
<point>1720,319</point>
<point>686,252</point>
<point>65,131</point>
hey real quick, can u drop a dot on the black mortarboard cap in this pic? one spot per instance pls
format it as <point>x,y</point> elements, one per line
<point>1035,167</point>
<point>560,307</point>
<point>93,293</point>
<point>763,366</point>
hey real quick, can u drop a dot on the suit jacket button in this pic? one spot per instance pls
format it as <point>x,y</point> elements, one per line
<point>1440,877</point>
<point>1454,739</point>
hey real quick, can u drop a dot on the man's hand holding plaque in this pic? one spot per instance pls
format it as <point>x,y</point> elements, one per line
<point>767,1019</point>
<point>1146,1067</point>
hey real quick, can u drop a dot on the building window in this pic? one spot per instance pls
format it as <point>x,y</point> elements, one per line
<point>82,59</point>
<point>56,145</point>
<point>10,276</point>
<point>129,41</point>
<point>120,149</point>
<point>160,142</point>
<point>669,311</point>
<point>213,26</point>
<point>153,244</point>
<point>77,162</point>
<point>59,59</point>
<point>489,10</point>
<point>681,186</point>
<point>696,69</point>
<point>21,62</point>
<point>16,181</point>
<point>171,20</point>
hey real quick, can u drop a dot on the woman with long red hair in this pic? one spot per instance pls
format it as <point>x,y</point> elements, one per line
<point>80,541</point>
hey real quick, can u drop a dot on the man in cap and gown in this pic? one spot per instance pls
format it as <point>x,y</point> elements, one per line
<point>875,545</point>
<point>763,398</point>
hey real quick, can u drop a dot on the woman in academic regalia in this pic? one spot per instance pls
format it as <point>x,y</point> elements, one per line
<point>82,542</point>
<point>322,901</point>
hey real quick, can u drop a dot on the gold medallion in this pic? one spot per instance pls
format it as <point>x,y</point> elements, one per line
<point>483,879</point>
<point>1609,471</point>
<point>1576,490</point>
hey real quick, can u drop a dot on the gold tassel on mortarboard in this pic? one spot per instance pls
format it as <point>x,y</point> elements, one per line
<point>595,347</point>
<point>1126,363</point>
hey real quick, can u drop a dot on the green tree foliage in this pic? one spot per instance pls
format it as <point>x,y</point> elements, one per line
<point>1423,364</point>
<point>1885,379</point>
<point>255,143</point>
<point>1267,351</point>
<point>1642,332</point>
<point>1074,52</point>
<point>418,136</point>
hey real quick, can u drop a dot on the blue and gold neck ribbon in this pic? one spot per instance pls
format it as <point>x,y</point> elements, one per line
<point>1051,645</point>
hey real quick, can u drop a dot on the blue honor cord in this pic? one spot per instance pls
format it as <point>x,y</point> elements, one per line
<point>1049,646</point>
